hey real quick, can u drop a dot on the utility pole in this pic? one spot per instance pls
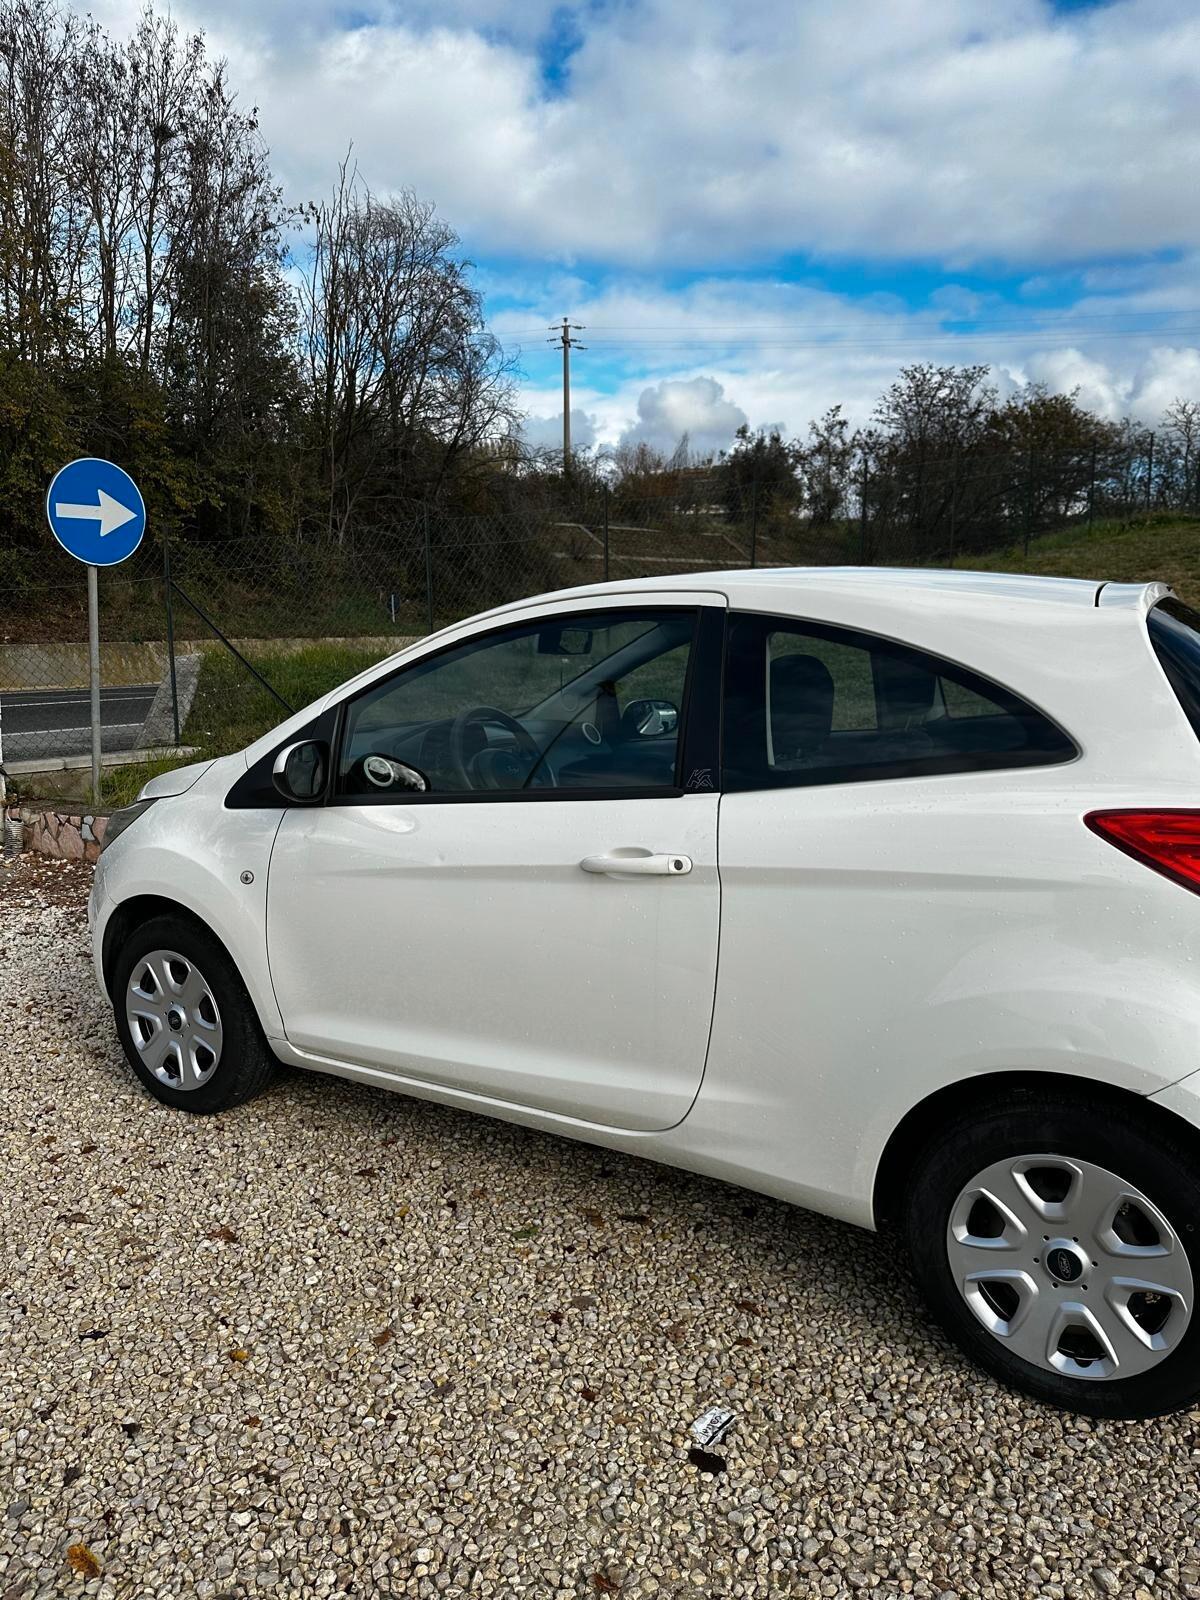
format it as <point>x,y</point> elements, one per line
<point>568,344</point>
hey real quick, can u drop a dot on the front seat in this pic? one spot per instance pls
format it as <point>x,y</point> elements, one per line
<point>801,708</point>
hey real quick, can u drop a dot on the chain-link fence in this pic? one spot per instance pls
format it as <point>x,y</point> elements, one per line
<point>255,626</point>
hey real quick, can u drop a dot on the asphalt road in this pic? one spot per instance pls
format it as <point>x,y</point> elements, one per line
<point>57,722</point>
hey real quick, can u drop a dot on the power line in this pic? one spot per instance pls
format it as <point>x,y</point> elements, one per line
<point>839,336</point>
<point>915,341</point>
<point>1005,319</point>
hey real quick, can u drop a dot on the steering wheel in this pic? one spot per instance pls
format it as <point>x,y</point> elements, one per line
<point>461,762</point>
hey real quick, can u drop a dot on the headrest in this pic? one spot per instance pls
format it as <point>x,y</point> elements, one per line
<point>801,704</point>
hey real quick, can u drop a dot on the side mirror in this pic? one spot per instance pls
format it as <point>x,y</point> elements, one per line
<point>300,771</point>
<point>650,719</point>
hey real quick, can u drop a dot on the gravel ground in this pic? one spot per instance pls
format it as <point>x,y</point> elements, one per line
<point>341,1343</point>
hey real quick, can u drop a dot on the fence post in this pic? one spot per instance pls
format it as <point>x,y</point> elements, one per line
<point>1150,474</point>
<point>754,523</point>
<point>1092,489</point>
<point>170,600</point>
<point>862,520</point>
<point>606,533</point>
<point>428,572</point>
<point>953,504</point>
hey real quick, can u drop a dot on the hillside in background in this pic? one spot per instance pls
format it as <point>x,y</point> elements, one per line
<point>1167,551</point>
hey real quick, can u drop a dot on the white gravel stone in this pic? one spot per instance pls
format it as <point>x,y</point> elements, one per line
<point>384,1384</point>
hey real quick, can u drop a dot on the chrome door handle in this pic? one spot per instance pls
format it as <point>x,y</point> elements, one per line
<point>638,863</point>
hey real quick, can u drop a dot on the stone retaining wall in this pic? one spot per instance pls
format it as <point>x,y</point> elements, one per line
<point>65,835</point>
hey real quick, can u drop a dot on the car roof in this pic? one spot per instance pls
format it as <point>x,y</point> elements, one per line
<point>900,587</point>
<point>893,580</point>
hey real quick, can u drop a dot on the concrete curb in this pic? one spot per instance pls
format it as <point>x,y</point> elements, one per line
<point>159,726</point>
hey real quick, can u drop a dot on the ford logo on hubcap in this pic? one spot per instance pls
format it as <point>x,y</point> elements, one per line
<point>1063,1264</point>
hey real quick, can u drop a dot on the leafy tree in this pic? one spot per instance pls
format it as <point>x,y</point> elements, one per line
<point>762,469</point>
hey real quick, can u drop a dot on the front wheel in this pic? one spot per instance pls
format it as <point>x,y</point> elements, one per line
<point>1058,1242</point>
<point>187,1025</point>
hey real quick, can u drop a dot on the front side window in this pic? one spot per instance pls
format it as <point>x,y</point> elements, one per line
<point>580,702</point>
<point>806,704</point>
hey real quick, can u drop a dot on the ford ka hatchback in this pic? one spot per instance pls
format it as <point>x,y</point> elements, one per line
<point>874,891</point>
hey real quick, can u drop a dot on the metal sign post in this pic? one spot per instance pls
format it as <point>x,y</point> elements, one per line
<point>96,512</point>
<point>94,675</point>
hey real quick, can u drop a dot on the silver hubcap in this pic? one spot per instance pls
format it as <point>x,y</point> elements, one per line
<point>173,1019</point>
<point>1070,1267</point>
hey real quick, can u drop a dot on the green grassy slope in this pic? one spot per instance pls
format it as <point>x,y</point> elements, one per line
<point>1167,551</point>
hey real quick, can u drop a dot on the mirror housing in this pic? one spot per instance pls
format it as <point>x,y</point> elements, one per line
<point>300,772</point>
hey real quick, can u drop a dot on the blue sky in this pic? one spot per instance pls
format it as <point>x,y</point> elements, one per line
<point>764,209</point>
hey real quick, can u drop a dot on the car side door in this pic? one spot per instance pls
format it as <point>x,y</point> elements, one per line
<point>881,818</point>
<point>538,925</point>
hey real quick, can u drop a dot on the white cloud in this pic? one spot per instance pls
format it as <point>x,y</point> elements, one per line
<point>965,133</point>
<point>691,131</point>
<point>545,432</point>
<point>791,351</point>
<point>695,408</point>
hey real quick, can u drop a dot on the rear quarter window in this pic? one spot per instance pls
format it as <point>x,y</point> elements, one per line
<point>1175,635</point>
<point>807,703</point>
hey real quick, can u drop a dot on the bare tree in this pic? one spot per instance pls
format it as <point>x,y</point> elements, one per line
<point>403,377</point>
<point>43,225</point>
<point>1180,428</point>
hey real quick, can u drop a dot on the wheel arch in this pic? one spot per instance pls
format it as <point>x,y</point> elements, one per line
<point>132,913</point>
<point>918,1125</point>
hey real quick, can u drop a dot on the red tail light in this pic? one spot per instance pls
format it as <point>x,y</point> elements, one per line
<point>1168,841</point>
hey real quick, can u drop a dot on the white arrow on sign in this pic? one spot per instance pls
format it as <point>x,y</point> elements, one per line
<point>110,513</point>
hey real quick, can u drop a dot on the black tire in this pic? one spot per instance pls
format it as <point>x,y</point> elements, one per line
<point>245,1065</point>
<point>1140,1149</point>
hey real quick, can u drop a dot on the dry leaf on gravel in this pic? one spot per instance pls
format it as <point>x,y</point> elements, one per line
<point>82,1562</point>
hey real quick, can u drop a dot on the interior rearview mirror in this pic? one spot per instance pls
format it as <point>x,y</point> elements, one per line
<point>563,639</point>
<point>300,771</point>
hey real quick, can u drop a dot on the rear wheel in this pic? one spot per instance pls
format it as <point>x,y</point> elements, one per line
<point>1058,1242</point>
<point>187,1025</point>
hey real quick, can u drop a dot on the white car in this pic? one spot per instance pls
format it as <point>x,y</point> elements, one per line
<point>870,890</point>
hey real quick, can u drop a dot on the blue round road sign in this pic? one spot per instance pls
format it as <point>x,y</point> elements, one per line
<point>96,512</point>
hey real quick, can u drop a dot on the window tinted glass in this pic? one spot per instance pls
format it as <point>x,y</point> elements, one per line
<point>585,701</point>
<point>1175,635</point>
<point>810,704</point>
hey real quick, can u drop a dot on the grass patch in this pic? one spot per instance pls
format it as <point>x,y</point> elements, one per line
<point>119,785</point>
<point>231,710</point>
<point>1166,551</point>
